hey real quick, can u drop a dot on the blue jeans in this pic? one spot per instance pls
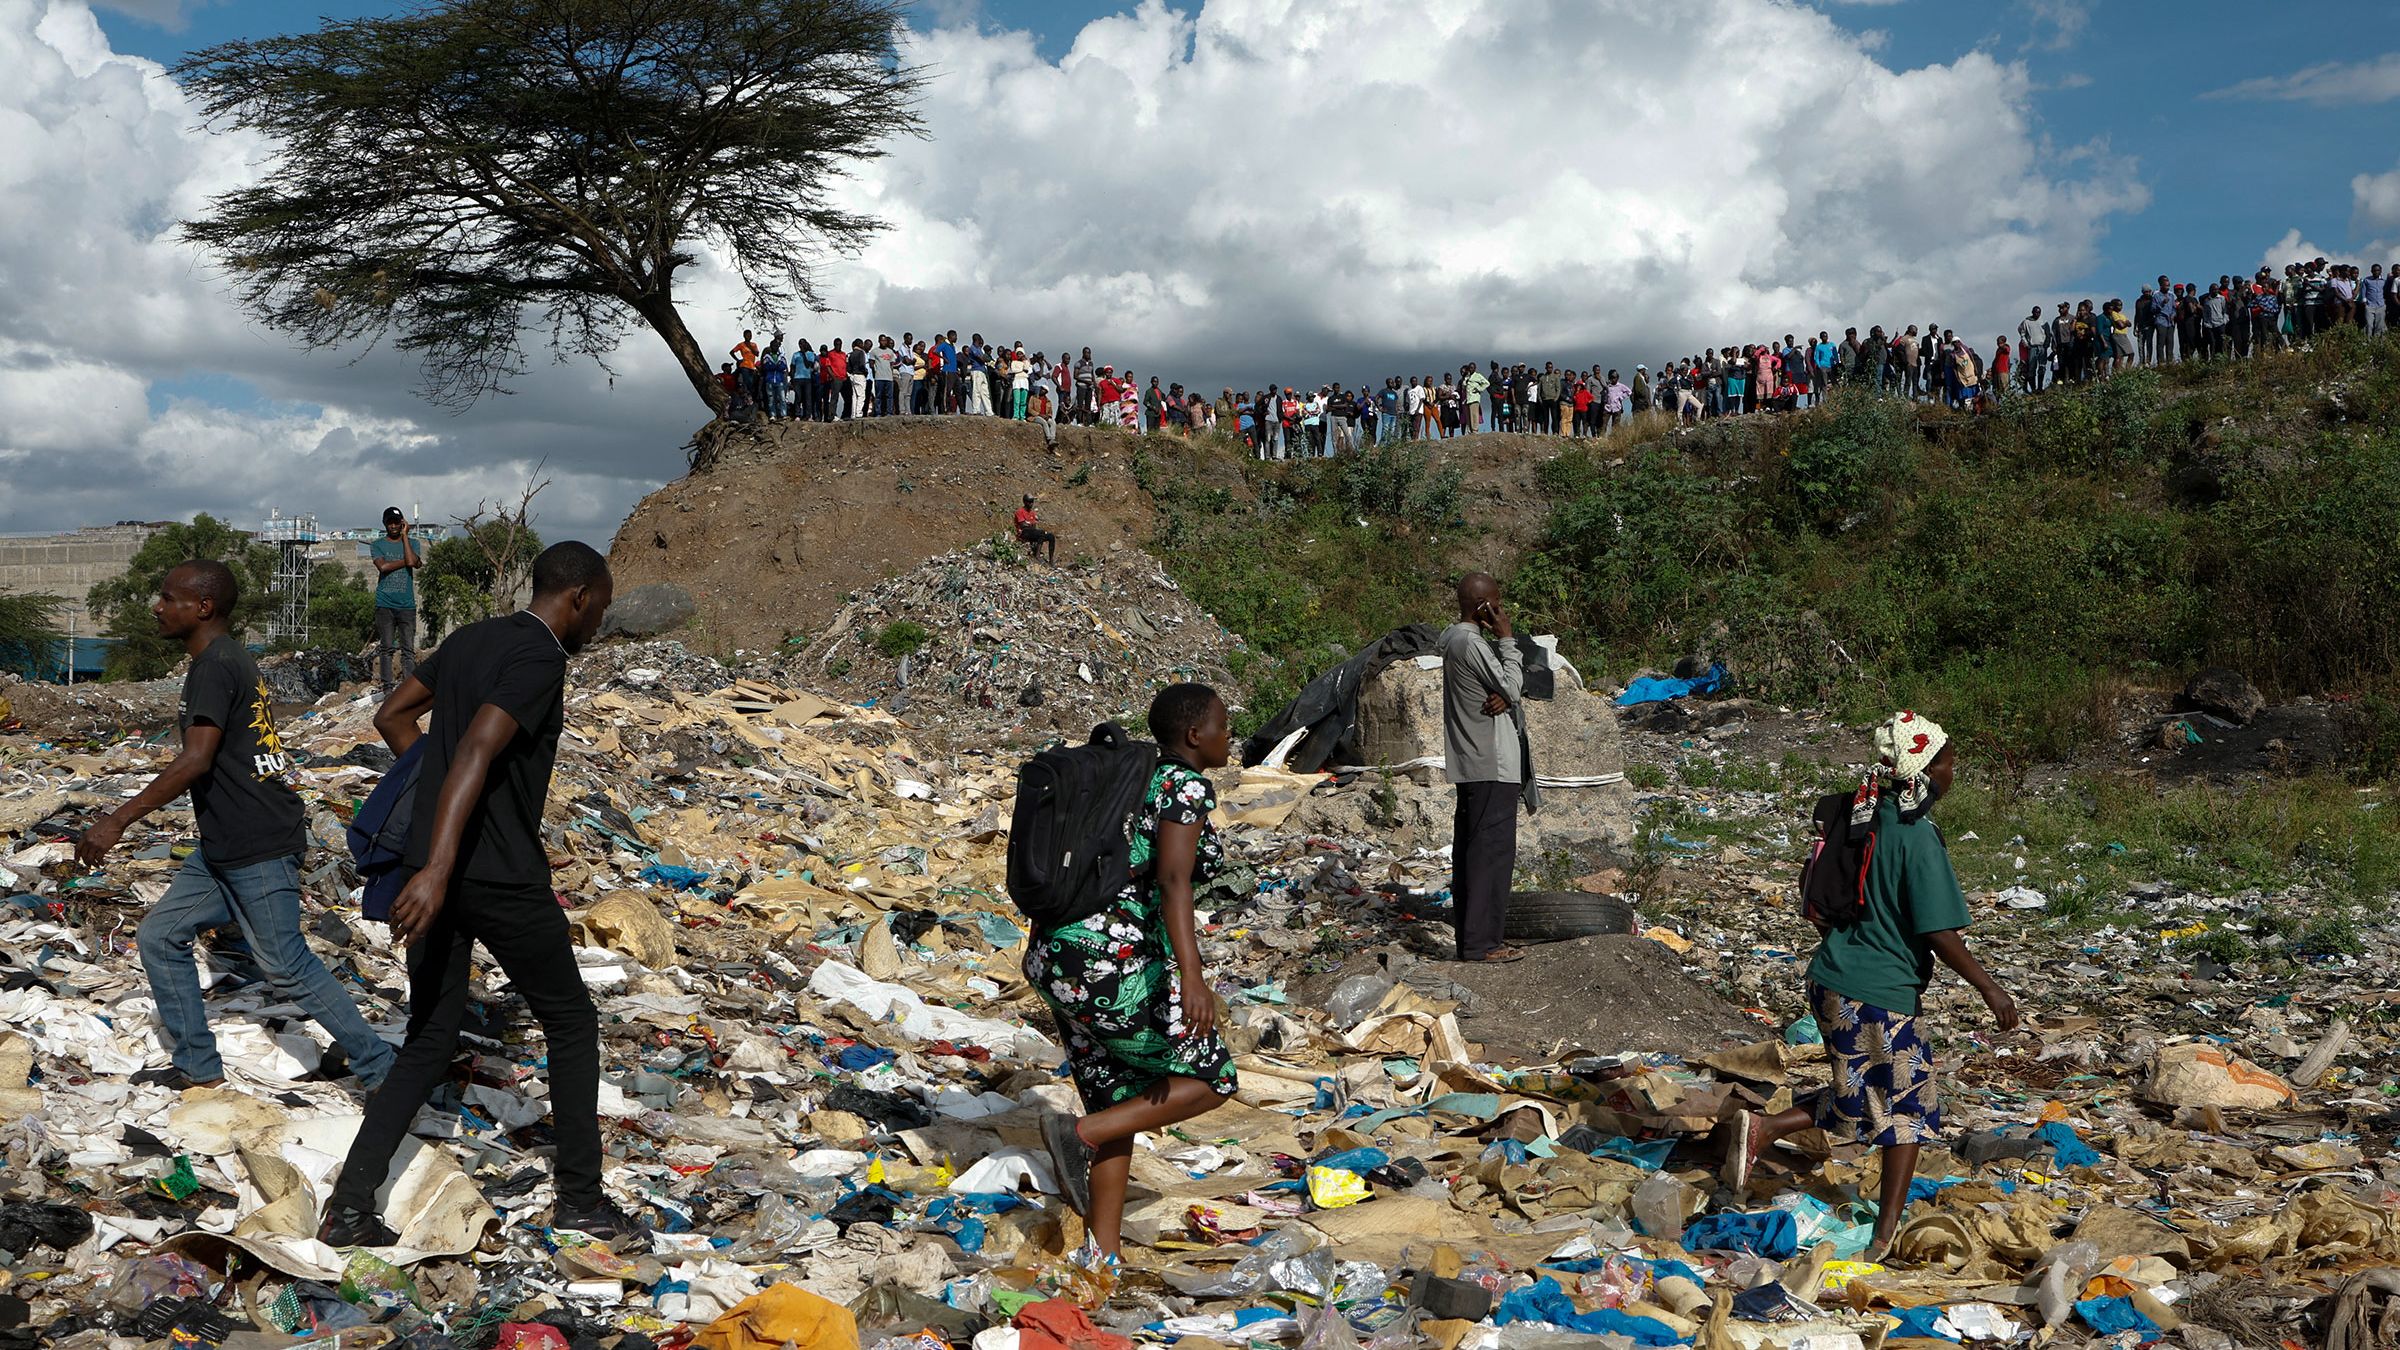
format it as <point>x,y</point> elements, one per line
<point>263,900</point>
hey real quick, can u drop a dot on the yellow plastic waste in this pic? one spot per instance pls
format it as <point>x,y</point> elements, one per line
<point>1335,1188</point>
<point>778,1314</point>
<point>1839,1274</point>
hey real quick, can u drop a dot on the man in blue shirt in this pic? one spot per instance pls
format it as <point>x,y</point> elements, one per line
<point>396,562</point>
<point>948,390</point>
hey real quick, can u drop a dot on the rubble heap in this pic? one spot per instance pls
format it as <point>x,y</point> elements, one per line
<point>1015,651</point>
<point>824,1077</point>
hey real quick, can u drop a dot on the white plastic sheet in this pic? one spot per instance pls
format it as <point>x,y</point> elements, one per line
<point>891,1002</point>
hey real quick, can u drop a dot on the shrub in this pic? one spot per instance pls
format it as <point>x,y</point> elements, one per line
<point>1848,466</point>
<point>901,637</point>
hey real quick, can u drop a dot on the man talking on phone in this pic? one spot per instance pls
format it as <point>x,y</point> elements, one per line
<point>497,694</point>
<point>1482,756</point>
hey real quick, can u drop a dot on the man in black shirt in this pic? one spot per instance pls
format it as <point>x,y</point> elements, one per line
<point>497,692</point>
<point>246,871</point>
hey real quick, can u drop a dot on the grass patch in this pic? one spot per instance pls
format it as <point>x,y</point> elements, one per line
<point>2119,830</point>
<point>2011,573</point>
<point>1320,558</point>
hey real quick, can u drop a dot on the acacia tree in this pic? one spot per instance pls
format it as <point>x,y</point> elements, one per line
<point>444,175</point>
<point>122,602</point>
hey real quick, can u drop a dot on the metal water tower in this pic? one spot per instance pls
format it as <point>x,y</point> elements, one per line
<point>295,541</point>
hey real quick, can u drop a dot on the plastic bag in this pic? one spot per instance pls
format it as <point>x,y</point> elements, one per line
<point>1325,1328</point>
<point>776,1228</point>
<point>1253,1273</point>
<point>1335,1187</point>
<point>1849,1230</point>
<point>1662,1203</point>
<point>368,1278</point>
<point>144,1280</point>
<point>1354,998</point>
<point>1616,1283</point>
<point>2061,1273</point>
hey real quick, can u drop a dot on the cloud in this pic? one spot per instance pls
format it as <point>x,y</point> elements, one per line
<point>2374,216</point>
<point>2295,247</point>
<point>167,14</point>
<point>106,313</point>
<point>2375,202</point>
<point>2329,83</point>
<point>1257,189</point>
<point>2056,25</point>
<point>1356,190</point>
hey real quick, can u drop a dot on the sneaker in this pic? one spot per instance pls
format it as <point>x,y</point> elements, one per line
<point>1073,1159</point>
<point>173,1079</point>
<point>347,1227</point>
<point>603,1222</point>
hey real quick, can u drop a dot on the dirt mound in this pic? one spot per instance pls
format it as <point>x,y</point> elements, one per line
<point>1006,650</point>
<point>1591,996</point>
<point>795,520</point>
<point>1600,995</point>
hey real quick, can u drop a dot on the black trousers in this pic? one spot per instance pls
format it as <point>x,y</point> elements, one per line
<point>1483,865</point>
<point>526,932</point>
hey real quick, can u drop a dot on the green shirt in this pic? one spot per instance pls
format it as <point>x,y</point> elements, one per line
<point>1886,959</point>
<point>396,589</point>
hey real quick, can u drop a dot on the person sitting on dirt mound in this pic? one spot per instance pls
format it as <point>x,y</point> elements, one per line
<point>1869,974</point>
<point>1031,534</point>
<point>1126,984</point>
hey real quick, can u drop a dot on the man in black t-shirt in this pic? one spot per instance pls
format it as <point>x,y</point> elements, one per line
<point>246,872</point>
<point>479,873</point>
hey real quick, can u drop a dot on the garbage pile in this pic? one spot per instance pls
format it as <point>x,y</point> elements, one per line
<point>824,1077</point>
<point>984,647</point>
<point>88,709</point>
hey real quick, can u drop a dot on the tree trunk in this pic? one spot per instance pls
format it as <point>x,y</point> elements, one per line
<point>667,321</point>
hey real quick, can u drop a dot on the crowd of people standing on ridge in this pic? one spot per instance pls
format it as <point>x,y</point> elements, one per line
<point>2168,322</point>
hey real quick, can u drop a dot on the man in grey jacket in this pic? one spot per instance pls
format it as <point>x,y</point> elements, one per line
<point>1483,757</point>
<point>2036,336</point>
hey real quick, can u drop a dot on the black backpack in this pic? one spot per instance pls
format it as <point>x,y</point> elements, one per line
<point>1833,882</point>
<point>1070,835</point>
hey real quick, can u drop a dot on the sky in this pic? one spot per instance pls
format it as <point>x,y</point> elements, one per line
<point>1225,192</point>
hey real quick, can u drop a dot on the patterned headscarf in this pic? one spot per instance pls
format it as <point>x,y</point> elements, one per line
<point>1904,746</point>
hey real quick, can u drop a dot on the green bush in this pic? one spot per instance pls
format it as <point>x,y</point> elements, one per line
<point>1318,559</point>
<point>1847,466</point>
<point>901,637</point>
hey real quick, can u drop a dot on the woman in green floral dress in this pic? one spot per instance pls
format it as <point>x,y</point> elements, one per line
<point>1126,985</point>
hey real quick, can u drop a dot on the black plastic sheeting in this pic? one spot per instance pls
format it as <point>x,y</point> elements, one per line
<point>1328,706</point>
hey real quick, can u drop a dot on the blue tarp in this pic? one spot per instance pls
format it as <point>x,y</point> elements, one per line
<point>1652,689</point>
<point>2067,1150</point>
<point>1771,1233</point>
<point>2108,1316</point>
<point>1548,1302</point>
<point>1919,1322</point>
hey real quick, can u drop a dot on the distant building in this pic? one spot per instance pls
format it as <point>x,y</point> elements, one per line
<point>69,565</point>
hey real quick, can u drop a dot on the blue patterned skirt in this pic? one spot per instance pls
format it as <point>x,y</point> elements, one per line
<point>1883,1081</point>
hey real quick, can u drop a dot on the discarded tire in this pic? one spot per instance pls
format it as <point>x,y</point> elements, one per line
<point>1555,916</point>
